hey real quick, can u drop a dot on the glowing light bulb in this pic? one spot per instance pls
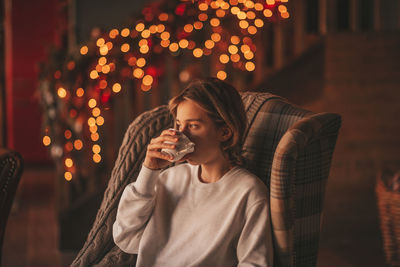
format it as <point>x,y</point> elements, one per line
<point>125,32</point>
<point>96,112</point>
<point>139,27</point>
<point>198,25</point>
<point>46,140</point>
<point>164,43</point>
<point>243,24</point>
<point>94,137</point>
<point>138,73</point>
<point>244,48</point>
<point>163,17</point>
<point>173,47</point>
<point>105,69</point>
<point>221,75</point>
<point>165,35</point>
<point>270,2</point>
<point>100,42</point>
<point>214,22</point>
<point>140,62</point>
<point>220,13</point>
<point>235,10</point>
<point>251,15</point>
<point>91,121</point>
<point>160,28</point>
<point>84,50</point>
<point>92,103</point>
<point>146,33</point>
<point>147,80</point>
<point>250,66</point>
<point>69,163</point>
<point>252,29</point>
<point>267,13</point>
<point>67,134</point>
<point>197,52</point>
<point>100,120</point>
<point>258,7</point>
<point>235,58</point>
<point>153,29</point>
<point>285,15</point>
<point>61,92</point>
<point>209,44</point>
<point>248,55</point>
<point>249,4</point>
<point>103,50</point>
<point>78,144</point>
<point>144,49</point>
<point>233,49</point>
<point>93,128</point>
<point>203,6</point>
<point>116,88</point>
<point>94,74</point>
<point>224,58</point>
<point>282,8</point>
<point>216,37</point>
<point>102,61</point>
<point>183,43</point>
<point>259,23</point>
<point>80,92</point>
<point>241,15</point>
<point>96,158</point>
<point>125,47</point>
<point>113,33</point>
<point>68,176</point>
<point>203,17</point>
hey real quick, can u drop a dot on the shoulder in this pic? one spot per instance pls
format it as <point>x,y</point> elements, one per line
<point>249,184</point>
<point>178,174</point>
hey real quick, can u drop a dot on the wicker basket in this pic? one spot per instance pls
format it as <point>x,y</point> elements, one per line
<point>389,213</point>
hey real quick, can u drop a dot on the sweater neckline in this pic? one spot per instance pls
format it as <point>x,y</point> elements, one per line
<point>223,180</point>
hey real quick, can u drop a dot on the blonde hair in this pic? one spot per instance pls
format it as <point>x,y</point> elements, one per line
<point>224,105</point>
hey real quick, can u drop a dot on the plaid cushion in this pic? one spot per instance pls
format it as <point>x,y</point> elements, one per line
<point>289,148</point>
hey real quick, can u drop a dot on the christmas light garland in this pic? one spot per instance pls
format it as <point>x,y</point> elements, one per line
<point>73,99</point>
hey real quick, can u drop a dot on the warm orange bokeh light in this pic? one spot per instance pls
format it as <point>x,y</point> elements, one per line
<point>100,42</point>
<point>100,120</point>
<point>250,66</point>
<point>125,32</point>
<point>163,17</point>
<point>116,88</point>
<point>147,80</point>
<point>165,35</point>
<point>94,137</point>
<point>96,158</point>
<point>216,37</point>
<point>209,44</point>
<point>68,176</point>
<point>92,103</point>
<point>139,27</point>
<point>94,74</point>
<point>69,163</point>
<point>233,49</point>
<point>62,92</point>
<point>138,73</point>
<point>125,47</point>
<point>173,47</point>
<point>224,58</point>
<point>96,112</point>
<point>140,62</point>
<point>46,140</point>
<point>221,75</point>
<point>78,144</point>
<point>67,134</point>
<point>80,92</point>
<point>113,33</point>
<point>84,50</point>
<point>197,52</point>
<point>183,43</point>
<point>267,13</point>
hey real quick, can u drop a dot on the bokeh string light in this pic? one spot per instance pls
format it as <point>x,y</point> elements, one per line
<point>221,29</point>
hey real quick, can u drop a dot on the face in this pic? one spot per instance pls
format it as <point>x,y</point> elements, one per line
<point>194,122</point>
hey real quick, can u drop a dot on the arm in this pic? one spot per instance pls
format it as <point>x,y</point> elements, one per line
<point>134,210</point>
<point>255,242</point>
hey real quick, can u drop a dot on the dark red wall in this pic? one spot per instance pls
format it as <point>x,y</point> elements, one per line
<point>32,27</point>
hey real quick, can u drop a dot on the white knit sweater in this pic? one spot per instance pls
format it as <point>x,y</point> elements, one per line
<point>171,218</point>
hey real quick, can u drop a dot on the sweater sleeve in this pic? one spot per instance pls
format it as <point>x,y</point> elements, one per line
<point>134,210</point>
<point>255,242</point>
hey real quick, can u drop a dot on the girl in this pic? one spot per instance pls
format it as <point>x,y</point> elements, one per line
<point>208,211</point>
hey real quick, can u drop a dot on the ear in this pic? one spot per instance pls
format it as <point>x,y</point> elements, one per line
<point>225,133</point>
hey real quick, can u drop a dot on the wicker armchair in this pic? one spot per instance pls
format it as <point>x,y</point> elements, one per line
<point>289,148</point>
<point>10,174</point>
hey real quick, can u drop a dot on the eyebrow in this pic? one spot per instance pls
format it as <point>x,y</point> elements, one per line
<point>198,120</point>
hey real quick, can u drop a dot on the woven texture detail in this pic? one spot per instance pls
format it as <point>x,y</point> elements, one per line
<point>289,148</point>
